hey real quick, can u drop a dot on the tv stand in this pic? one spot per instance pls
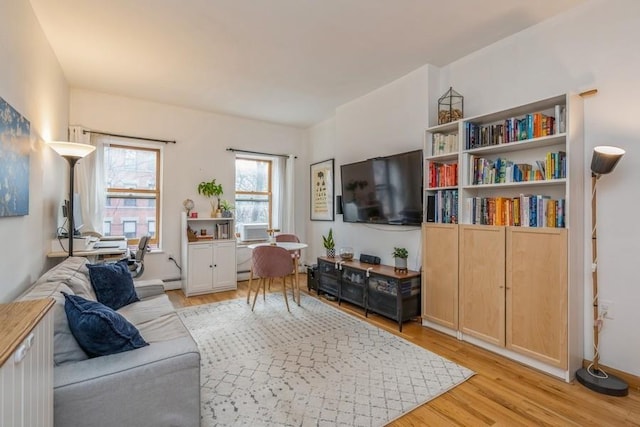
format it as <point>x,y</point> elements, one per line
<point>376,288</point>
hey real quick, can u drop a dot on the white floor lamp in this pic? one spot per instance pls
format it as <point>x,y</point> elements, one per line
<point>72,152</point>
<point>603,161</point>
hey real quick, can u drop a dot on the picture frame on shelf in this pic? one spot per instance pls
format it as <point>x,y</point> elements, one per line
<point>322,190</point>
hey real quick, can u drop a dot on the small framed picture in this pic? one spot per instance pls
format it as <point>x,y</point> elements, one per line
<point>322,191</point>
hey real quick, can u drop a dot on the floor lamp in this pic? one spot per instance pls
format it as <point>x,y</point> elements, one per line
<point>72,152</point>
<point>603,161</point>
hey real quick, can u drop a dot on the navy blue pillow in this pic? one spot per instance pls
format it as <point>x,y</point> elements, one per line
<point>113,284</point>
<point>98,329</point>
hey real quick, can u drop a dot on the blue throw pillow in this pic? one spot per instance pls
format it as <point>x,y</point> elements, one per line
<point>98,329</point>
<point>113,284</point>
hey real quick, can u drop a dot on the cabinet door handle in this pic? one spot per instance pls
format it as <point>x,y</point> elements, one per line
<point>210,266</point>
<point>215,265</point>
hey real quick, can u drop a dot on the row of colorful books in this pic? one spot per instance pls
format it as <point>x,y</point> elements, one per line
<point>444,143</point>
<point>500,171</point>
<point>442,207</point>
<point>442,174</point>
<point>533,125</point>
<point>522,211</point>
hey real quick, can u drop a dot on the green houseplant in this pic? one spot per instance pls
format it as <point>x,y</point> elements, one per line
<point>213,191</point>
<point>400,255</point>
<point>329,244</point>
<point>226,207</point>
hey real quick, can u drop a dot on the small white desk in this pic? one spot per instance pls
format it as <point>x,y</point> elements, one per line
<point>291,247</point>
<point>116,247</point>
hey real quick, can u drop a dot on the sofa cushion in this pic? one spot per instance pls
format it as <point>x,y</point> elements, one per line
<point>147,309</point>
<point>74,273</point>
<point>113,284</point>
<point>65,347</point>
<point>100,330</point>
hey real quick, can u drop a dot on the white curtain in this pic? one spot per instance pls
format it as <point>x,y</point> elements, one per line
<point>89,180</point>
<point>283,194</point>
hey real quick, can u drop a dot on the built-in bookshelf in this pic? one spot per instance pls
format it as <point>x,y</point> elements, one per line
<point>499,168</point>
<point>511,225</point>
<point>442,148</point>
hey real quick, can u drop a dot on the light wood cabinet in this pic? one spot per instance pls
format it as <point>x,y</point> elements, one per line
<point>536,297</point>
<point>482,282</point>
<point>440,277</point>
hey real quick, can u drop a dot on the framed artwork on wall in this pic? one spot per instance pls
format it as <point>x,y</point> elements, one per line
<point>15,146</point>
<point>322,191</point>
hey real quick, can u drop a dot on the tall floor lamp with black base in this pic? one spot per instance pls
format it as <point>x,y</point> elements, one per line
<point>603,161</point>
<point>72,152</point>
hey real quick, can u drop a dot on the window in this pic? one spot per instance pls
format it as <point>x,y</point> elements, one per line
<point>254,202</point>
<point>106,227</point>
<point>129,228</point>
<point>132,174</point>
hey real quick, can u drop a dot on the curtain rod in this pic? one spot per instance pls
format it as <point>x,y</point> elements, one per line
<point>235,150</point>
<point>165,141</point>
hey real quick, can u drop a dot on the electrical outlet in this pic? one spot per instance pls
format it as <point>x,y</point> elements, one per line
<point>606,307</point>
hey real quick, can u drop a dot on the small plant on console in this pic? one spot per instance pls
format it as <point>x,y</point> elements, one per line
<point>329,244</point>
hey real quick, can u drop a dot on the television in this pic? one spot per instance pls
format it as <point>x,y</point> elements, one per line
<point>383,190</point>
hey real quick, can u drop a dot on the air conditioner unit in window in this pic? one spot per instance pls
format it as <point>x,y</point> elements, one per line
<point>250,232</point>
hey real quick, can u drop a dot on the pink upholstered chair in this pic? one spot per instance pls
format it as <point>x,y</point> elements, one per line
<point>269,262</point>
<point>289,238</point>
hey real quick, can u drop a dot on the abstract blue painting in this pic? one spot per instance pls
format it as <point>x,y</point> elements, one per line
<point>14,161</point>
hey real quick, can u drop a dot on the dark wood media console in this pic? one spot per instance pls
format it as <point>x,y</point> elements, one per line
<point>376,288</point>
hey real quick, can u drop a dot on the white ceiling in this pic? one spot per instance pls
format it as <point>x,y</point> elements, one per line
<point>285,61</point>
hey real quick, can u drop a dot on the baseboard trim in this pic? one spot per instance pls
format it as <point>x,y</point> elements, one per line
<point>632,380</point>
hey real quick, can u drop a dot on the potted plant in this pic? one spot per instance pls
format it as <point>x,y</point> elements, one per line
<point>400,255</point>
<point>213,191</point>
<point>226,207</point>
<point>329,244</point>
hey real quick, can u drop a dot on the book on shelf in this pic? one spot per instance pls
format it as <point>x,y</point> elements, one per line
<point>443,174</point>
<point>530,126</point>
<point>445,206</point>
<point>431,208</point>
<point>521,211</point>
<point>500,170</point>
<point>560,112</point>
<point>444,143</point>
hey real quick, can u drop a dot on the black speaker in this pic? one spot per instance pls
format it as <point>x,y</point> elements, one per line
<point>369,259</point>
<point>339,205</point>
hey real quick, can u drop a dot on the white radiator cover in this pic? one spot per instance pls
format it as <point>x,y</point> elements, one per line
<point>26,380</point>
<point>243,259</point>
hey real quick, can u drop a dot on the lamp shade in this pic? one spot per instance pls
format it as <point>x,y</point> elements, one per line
<point>71,149</point>
<point>605,158</point>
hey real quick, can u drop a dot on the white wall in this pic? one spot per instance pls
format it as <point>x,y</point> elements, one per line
<point>386,121</point>
<point>32,82</point>
<point>592,46</point>
<point>200,154</point>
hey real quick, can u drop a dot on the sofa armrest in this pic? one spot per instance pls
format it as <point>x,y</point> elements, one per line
<point>148,288</point>
<point>157,385</point>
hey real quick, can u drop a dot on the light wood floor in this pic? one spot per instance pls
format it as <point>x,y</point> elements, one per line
<point>502,393</point>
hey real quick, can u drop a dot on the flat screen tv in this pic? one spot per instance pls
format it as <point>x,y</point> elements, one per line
<point>383,190</point>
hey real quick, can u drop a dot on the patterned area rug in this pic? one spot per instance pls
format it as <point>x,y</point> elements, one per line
<point>315,366</point>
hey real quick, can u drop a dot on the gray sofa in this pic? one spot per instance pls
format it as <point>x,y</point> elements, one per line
<point>156,385</point>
